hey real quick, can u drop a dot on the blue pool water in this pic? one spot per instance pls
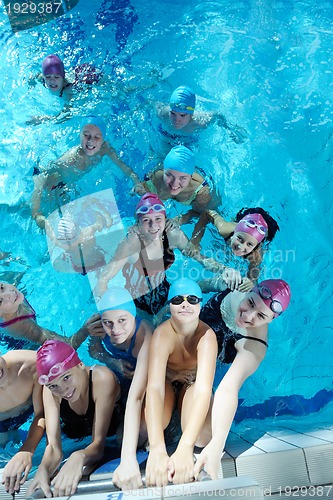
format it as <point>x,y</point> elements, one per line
<point>268,67</point>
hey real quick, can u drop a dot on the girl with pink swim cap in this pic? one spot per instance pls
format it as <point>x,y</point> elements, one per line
<point>240,322</point>
<point>146,254</point>
<point>80,401</point>
<point>253,230</point>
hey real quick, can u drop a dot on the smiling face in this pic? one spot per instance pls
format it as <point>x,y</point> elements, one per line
<point>253,312</point>
<point>69,384</point>
<point>152,225</point>
<point>91,139</point>
<point>176,181</point>
<point>119,325</point>
<point>54,83</point>
<point>185,312</point>
<point>10,299</point>
<point>179,120</point>
<point>242,243</point>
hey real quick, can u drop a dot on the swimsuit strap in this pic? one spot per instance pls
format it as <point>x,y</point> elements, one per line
<point>131,346</point>
<point>240,336</point>
<point>10,322</point>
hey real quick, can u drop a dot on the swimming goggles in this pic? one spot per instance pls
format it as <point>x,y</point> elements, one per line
<point>56,370</point>
<point>251,223</point>
<point>266,294</point>
<point>155,208</point>
<point>179,299</point>
<point>182,107</point>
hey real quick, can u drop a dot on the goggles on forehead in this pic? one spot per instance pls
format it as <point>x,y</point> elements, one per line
<point>180,106</point>
<point>251,223</point>
<point>56,370</point>
<point>266,294</point>
<point>144,209</point>
<point>179,299</point>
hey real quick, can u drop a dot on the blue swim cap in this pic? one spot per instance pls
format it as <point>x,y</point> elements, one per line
<point>180,158</point>
<point>182,100</point>
<point>94,120</point>
<point>184,286</point>
<point>117,298</point>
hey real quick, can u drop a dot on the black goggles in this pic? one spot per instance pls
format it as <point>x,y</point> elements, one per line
<point>266,294</point>
<point>179,299</point>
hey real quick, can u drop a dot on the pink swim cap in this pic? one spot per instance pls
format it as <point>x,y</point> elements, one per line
<point>275,294</point>
<point>53,359</point>
<point>53,65</point>
<point>149,203</point>
<point>253,224</point>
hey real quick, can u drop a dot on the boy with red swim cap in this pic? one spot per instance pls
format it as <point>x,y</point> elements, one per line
<point>240,322</point>
<point>82,399</point>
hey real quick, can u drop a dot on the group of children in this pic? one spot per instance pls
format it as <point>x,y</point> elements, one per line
<point>148,367</point>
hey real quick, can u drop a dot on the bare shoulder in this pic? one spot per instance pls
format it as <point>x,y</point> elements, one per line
<point>206,331</point>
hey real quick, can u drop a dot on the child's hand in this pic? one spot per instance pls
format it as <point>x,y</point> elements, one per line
<point>232,278</point>
<point>94,326</point>
<point>16,471</point>
<point>246,285</point>
<point>139,189</point>
<point>127,476</point>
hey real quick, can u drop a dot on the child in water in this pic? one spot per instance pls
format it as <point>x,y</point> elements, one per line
<point>20,397</point>
<point>18,320</point>
<point>124,349</point>
<point>254,228</point>
<point>180,123</point>
<point>182,359</point>
<point>79,244</point>
<point>63,174</point>
<point>241,323</point>
<point>53,78</point>
<point>178,180</point>
<point>80,401</point>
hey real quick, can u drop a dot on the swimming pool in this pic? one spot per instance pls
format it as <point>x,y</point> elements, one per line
<point>268,67</point>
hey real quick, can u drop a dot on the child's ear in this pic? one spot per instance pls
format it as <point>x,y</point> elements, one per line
<point>81,366</point>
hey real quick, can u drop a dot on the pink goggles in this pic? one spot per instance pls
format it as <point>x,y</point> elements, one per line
<point>58,369</point>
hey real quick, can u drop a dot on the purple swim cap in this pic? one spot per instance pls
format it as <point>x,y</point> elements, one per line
<point>275,294</point>
<point>182,100</point>
<point>253,224</point>
<point>53,359</point>
<point>52,65</point>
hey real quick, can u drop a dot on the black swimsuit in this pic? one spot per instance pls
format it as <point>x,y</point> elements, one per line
<point>145,278</point>
<point>78,426</point>
<point>226,338</point>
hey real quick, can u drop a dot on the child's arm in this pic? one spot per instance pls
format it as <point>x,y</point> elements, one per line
<point>127,476</point>
<point>248,359</point>
<point>126,248</point>
<point>106,390</point>
<point>182,459</point>
<point>53,452</point>
<point>237,134</point>
<point>111,153</point>
<point>16,471</point>
<point>231,276</point>
<point>157,464</point>
<point>39,183</point>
